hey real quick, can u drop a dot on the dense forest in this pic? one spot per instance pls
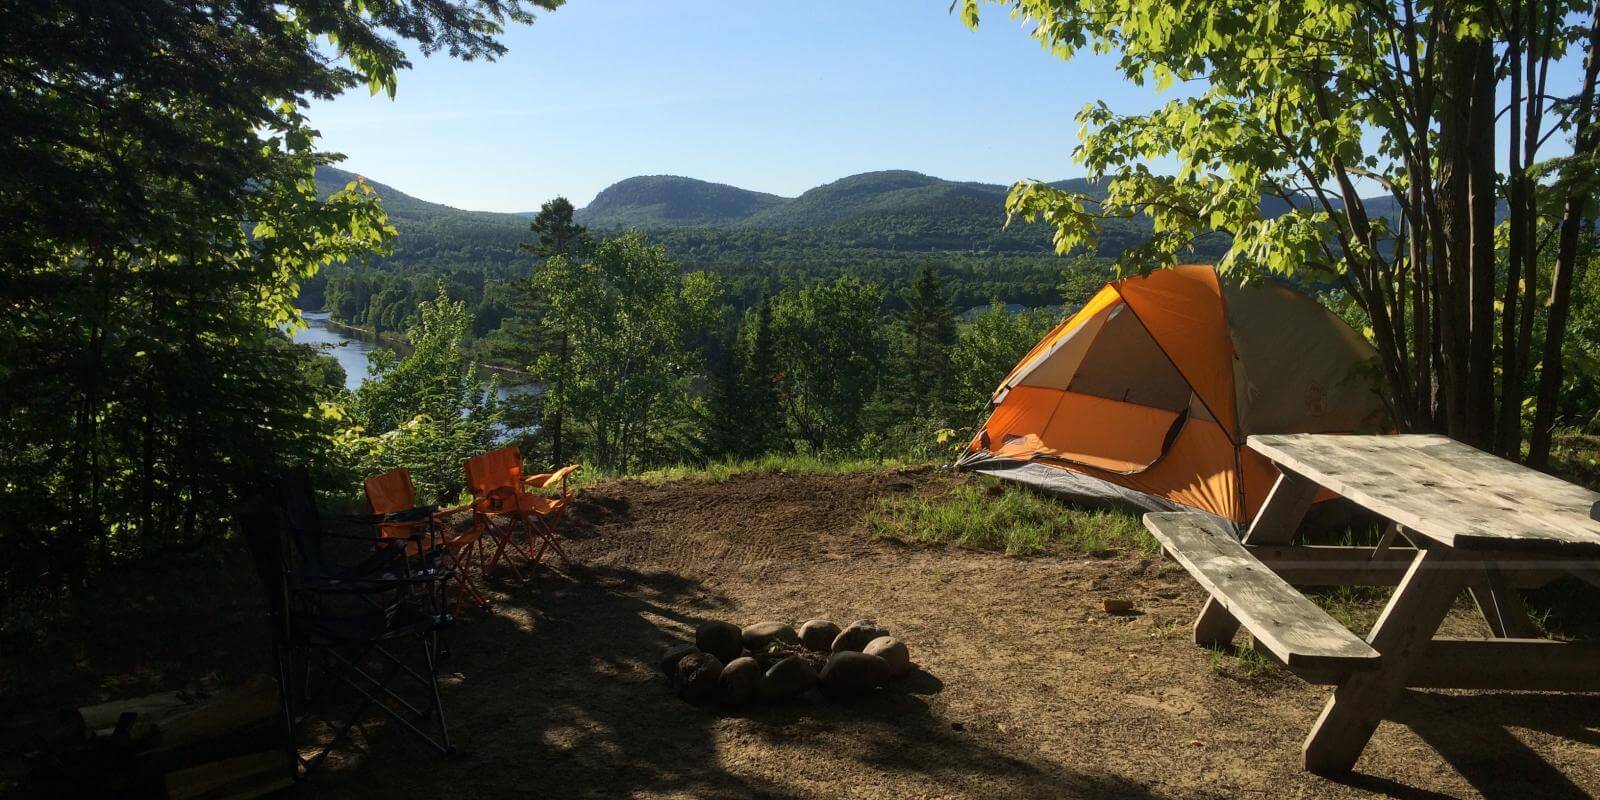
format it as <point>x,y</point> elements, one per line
<point>882,227</point>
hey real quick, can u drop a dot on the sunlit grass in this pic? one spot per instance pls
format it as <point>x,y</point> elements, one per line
<point>772,463</point>
<point>986,515</point>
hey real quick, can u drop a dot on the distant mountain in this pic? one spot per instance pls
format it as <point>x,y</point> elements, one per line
<point>890,213</point>
<point>658,201</point>
<point>402,206</point>
<point>438,237</point>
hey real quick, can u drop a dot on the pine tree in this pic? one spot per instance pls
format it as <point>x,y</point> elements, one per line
<point>558,235</point>
<point>762,408</point>
<point>726,400</point>
<point>930,323</point>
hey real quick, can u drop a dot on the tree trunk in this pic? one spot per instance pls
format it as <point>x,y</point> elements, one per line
<point>1453,262</point>
<point>1572,218</point>
<point>1508,427</point>
<point>1481,190</point>
<point>556,450</point>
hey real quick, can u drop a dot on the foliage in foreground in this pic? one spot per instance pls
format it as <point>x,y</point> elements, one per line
<point>426,412</point>
<point>983,514</point>
<point>157,186</point>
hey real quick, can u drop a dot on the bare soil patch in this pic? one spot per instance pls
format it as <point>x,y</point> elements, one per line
<point>1028,688</point>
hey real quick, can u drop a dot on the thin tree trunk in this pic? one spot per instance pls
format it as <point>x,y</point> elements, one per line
<point>1508,427</point>
<point>556,450</point>
<point>1453,262</point>
<point>1550,375</point>
<point>1482,189</point>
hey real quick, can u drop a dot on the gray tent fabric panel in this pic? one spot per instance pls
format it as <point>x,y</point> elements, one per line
<point>1299,368</point>
<point>1081,488</point>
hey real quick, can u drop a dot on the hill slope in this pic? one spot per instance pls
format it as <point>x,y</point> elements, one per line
<point>656,201</point>
<point>438,237</point>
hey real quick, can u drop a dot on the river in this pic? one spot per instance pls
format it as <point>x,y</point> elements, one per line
<point>353,352</point>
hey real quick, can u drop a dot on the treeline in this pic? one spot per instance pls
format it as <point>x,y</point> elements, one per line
<point>387,299</point>
<point>645,364</point>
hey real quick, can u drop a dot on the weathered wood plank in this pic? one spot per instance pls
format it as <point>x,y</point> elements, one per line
<point>1275,522</point>
<point>1525,665</point>
<point>1282,620</point>
<point>1340,565</point>
<point>1541,665</point>
<point>1402,635</point>
<point>1283,510</point>
<point>1444,490</point>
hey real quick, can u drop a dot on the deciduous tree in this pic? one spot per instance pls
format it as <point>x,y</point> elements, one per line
<point>1304,106</point>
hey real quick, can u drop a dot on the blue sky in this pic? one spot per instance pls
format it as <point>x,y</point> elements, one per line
<point>773,96</point>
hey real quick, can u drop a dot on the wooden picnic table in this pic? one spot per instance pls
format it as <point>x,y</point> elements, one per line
<point>1469,520</point>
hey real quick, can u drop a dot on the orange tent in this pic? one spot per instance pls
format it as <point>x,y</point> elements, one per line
<point>1147,393</point>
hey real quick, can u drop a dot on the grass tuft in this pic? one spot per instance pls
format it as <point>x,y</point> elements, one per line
<point>986,515</point>
<point>1242,662</point>
<point>719,471</point>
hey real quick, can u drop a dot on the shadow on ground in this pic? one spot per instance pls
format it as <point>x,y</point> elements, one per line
<point>1473,733</point>
<point>557,696</point>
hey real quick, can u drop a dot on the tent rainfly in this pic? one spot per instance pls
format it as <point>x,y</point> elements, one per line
<point>1145,396</point>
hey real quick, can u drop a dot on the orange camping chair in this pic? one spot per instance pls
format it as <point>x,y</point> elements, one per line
<point>393,493</point>
<point>518,520</point>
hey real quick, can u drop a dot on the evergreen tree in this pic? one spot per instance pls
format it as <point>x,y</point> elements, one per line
<point>557,235</point>
<point>930,325</point>
<point>762,406</point>
<point>726,400</point>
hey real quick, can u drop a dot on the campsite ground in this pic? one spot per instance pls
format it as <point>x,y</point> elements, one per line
<point>1026,687</point>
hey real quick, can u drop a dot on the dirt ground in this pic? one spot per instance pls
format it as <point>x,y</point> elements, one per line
<point>1026,688</point>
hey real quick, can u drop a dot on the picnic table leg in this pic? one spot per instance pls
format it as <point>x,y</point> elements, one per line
<point>1500,606</point>
<point>1401,635</point>
<point>1275,523</point>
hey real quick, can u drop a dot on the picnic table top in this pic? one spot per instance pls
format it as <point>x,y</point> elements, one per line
<point>1447,491</point>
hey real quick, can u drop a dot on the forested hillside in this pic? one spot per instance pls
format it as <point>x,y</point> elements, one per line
<point>657,201</point>
<point>879,226</point>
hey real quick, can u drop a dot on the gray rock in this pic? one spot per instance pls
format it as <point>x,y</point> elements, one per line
<point>697,676</point>
<point>669,660</point>
<point>739,681</point>
<point>758,636</point>
<point>858,635</point>
<point>786,679</point>
<point>893,652</point>
<point>721,639</point>
<point>849,673</point>
<point>817,635</point>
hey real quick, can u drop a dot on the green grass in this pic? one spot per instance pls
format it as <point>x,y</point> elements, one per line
<point>1243,662</point>
<point>719,471</point>
<point>985,515</point>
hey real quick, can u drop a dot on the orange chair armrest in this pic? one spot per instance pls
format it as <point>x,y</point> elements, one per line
<point>545,480</point>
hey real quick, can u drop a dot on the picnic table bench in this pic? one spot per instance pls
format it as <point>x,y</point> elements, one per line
<point>1469,520</point>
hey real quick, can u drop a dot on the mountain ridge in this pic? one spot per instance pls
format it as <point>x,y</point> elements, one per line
<point>884,213</point>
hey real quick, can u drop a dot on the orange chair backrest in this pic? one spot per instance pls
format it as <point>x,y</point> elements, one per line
<point>391,492</point>
<point>494,470</point>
